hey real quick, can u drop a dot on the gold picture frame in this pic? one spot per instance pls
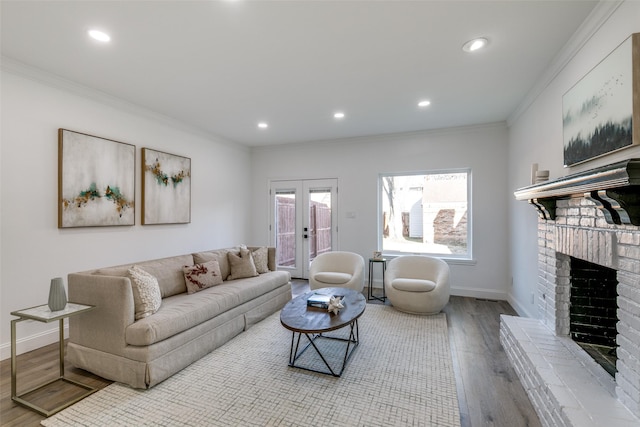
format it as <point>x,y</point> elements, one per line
<point>96,181</point>
<point>166,188</point>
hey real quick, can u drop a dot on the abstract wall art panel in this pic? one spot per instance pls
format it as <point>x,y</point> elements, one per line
<point>166,188</point>
<point>601,113</point>
<point>96,181</point>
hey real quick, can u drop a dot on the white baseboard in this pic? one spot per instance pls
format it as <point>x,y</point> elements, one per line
<point>479,293</point>
<point>375,284</point>
<point>32,342</point>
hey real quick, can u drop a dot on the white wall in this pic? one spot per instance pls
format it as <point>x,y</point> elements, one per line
<point>34,250</point>
<point>535,136</point>
<point>356,163</point>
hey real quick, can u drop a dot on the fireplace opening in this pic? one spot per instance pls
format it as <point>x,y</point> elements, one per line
<point>593,311</point>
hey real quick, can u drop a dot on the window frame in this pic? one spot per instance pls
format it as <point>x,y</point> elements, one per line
<point>462,258</point>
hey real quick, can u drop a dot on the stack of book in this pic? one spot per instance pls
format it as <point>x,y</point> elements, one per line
<point>320,300</point>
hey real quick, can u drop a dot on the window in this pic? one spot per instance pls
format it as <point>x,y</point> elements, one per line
<point>426,213</point>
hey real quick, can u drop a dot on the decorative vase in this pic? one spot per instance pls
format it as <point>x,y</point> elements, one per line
<point>57,295</point>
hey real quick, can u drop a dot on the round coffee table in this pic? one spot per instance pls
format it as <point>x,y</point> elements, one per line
<point>313,323</point>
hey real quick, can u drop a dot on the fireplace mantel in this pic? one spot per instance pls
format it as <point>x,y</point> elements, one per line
<point>615,190</point>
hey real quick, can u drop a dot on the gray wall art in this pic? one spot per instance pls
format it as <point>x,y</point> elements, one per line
<point>599,111</point>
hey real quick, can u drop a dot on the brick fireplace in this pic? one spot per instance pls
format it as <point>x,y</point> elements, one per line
<point>590,217</point>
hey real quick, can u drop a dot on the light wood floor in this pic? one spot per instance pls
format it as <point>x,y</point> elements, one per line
<point>489,391</point>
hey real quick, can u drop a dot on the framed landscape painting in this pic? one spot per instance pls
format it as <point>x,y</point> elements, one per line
<point>166,188</point>
<point>96,181</point>
<point>601,114</point>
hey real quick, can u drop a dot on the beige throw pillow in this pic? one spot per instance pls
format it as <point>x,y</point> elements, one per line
<point>202,276</point>
<point>219,255</point>
<point>261,259</point>
<point>241,266</point>
<point>146,292</point>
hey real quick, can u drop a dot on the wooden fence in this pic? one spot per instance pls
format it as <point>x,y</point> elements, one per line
<point>286,231</point>
<point>319,234</point>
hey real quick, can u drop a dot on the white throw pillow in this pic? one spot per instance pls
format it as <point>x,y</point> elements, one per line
<point>146,292</point>
<point>261,259</point>
<point>332,278</point>
<point>413,285</point>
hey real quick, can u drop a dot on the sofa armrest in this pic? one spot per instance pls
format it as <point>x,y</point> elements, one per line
<point>102,328</point>
<point>271,263</point>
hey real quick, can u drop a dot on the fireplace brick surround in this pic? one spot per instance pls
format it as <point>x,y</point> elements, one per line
<point>564,384</point>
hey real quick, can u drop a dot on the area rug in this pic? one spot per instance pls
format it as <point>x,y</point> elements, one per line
<point>400,374</point>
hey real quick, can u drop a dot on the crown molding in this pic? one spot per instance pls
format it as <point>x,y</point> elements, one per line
<point>598,16</point>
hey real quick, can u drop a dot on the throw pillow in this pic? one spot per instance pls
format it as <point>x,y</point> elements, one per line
<point>146,292</point>
<point>219,255</point>
<point>261,259</point>
<point>202,276</point>
<point>241,265</point>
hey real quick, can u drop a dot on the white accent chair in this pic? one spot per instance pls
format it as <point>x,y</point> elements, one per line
<point>337,269</point>
<point>417,284</point>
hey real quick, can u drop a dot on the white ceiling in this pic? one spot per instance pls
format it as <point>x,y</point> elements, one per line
<point>223,66</point>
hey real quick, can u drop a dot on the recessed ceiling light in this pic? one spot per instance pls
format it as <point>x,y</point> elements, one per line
<point>99,35</point>
<point>475,44</point>
<point>424,103</point>
<point>263,125</point>
<point>339,115</point>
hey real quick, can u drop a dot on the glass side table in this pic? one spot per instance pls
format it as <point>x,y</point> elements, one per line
<point>372,262</point>
<point>42,313</point>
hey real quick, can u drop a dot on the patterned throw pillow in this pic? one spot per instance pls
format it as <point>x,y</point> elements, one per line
<point>146,292</point>
<point>241,266</point>
<point>261,259</point>
<point>202,276</point>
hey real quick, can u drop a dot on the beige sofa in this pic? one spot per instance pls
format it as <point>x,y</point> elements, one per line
<point>109,342</point>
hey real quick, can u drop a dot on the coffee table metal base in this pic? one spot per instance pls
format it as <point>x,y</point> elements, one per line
<point>352,343</point>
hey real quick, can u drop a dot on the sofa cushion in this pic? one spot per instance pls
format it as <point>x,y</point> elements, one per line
<point>168,271</point>
<point>146,292</point>
<point>332,278</point>
<point>181,312</point>
<point>201,276</point>
<point>261,259</point>
<point>242,266</point>
<point>413,285</point>
<point>220,255</point>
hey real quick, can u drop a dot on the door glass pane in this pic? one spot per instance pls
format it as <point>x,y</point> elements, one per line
<point>285,228</point>
<point>319,222</point>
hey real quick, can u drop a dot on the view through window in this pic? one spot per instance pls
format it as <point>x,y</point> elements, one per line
<point>426,213</point>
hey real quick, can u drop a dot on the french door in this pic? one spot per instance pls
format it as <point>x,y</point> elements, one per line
<point>303,222</point>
